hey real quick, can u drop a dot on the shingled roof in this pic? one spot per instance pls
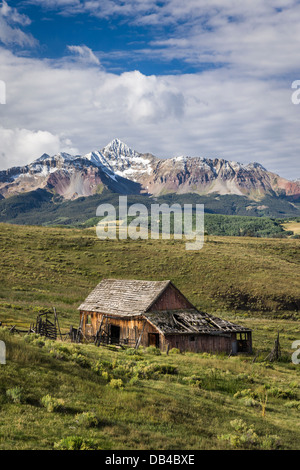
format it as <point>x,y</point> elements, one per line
<point>123,297</point>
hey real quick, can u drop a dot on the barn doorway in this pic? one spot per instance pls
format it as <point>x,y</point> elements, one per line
<point>114,334</point>
<point>153,339</point>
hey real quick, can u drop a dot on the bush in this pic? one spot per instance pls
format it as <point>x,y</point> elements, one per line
<point>174,351</point>
<point>270,443</point>
<point>116,383</point>
<point>246,438</point>
<point>134,380</point>
<point>133,352</point>
<point>295,404</point>
<point>101,366</point>
<point>105,375</point>
<point>153,350</point>
<point>76,443</point>
<point>248,401</point>
<point>166,369</point>
<point>15,394</point>
<point>246,393</point>
<point>80,360</point>
<point>88,419</point>
<point>52,404</point>
<point>152,371</point>
<point>284,394</point>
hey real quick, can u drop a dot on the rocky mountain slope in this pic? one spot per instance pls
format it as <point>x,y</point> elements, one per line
<point>123,170</point>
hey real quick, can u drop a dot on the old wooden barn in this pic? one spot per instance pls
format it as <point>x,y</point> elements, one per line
<point>156,313</point>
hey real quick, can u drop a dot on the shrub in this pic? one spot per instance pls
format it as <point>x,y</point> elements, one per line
<point>153,350</point>
<point>246,438</point>
<point>30,337</point>
<point>270,443</point>
<point>88,419</point>
<point>105,375</point>
<point>293,404</point>
<point>248,401</point>
<point>174,351</point>
<point>101,366</point>
<point>52,404</point>
<point>166,369</point>
<point>76,443</point>
<point>287,394</point>
<point>57,354</point>
<point>134,380</point>
<point>116,383</point>
<point>15,394</point>
<point>246,393</point>
<point>80,360</point>
<point>133,352</point>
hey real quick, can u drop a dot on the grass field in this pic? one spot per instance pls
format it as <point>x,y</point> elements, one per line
<point>56,395</point>
<point>144,400</point>
<point>293,227</point>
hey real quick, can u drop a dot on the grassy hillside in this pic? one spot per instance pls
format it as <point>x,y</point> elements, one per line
<point>45,267</point>
<point>66,396</point>
<point>143,400</point>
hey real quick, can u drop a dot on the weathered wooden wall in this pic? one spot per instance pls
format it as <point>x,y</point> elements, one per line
<point>171,299</point>
<point>200,343</point>
<point>130,328</point>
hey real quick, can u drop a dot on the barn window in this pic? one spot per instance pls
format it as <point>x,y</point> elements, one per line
<point>241,336</point>
<point>88,320</point>
<point>192,338</point>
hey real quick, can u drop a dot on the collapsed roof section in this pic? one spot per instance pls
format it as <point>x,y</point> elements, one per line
<point>191,321</point>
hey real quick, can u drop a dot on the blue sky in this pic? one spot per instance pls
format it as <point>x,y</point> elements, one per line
<point>121,42</point>
<point>205,78</point>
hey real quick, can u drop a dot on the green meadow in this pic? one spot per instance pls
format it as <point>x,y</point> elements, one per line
<point>58,395</point>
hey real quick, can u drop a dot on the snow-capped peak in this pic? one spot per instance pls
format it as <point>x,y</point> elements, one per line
<point>119,149</point>
<point>62,156</point>
<point>255,166</point>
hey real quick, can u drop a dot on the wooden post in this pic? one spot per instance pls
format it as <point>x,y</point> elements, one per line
<point>98,338</point>
<point>140,337</point>
<point>56,319</point>
<point>79,331</point>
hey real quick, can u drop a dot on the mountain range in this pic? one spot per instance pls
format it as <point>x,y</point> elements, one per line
<point>123,170</point>
<point>64,185</point>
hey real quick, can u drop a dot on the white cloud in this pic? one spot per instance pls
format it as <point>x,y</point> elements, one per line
<point>207,114</point>
<point>11,34</point>
<point>85,53</point>
<point>19,146</point>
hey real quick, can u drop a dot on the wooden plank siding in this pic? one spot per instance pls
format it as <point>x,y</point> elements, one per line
<point>171,299</point>
<point>201,343</point>
<point>130,328</point>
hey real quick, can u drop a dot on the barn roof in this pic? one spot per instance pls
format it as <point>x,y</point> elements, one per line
<point>191,321</point>
<point>123,297</point>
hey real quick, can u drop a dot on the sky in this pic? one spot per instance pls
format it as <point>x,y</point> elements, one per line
<point>207,78</point>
